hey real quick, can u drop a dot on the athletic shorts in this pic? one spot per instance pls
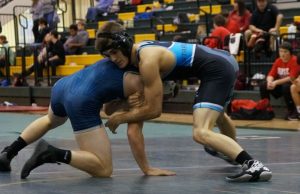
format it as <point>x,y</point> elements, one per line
<point>83,112</point>
<point>217,72</point>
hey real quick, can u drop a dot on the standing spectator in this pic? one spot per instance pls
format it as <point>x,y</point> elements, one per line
<point>265,19</point>
<point>239,18</point>
<point>278,82</point>
<point>5,46</point>
<point>218,31</point>
<point>37,13</point>
<point>102,8</point>
<point>73,43</point>
<point>48,8</point>
<point>82,33</point>
<point>42,9</point>
<point>43,30</point>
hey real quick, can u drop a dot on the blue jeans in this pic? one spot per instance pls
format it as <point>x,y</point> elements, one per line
<point>92,13</point>
<point>49,18</point>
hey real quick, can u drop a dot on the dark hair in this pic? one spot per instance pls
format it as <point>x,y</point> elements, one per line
<point>108,27</point>
<point>286,46</point>
<point>113,36</point>
<point>43,21</point>
<point>148,8</point>
<point>3,38</point>
<point>219,20</point>
<point>73,27</point>
<point>54,33</point>
<point>241,7</point>
<point>298,58</point>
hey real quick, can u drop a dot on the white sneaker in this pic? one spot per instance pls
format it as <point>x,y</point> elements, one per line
<point>252,171</point>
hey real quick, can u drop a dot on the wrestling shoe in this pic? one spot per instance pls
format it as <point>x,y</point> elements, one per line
<point>219,155</point>
<point>4,161</point>
<point>252,171</point>
<point>42,154</point>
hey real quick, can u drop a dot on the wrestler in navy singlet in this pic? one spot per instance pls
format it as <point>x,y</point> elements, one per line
<point>216,69</point>
<point>80,96</point>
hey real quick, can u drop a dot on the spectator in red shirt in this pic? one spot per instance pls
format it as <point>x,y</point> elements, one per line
<point>284,70</point>
<point>219,32</point>
<point>238,19</point>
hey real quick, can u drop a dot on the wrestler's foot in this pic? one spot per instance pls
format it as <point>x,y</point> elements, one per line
<point>252,171</point>
<point>4,161</point>
<point>43,153</point>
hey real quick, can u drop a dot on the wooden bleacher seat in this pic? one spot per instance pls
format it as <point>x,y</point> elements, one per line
<point>142,37</point>
<point>80,60</point>
<point>216,9</point>
<point>92,33</point>
<point>167,27</point>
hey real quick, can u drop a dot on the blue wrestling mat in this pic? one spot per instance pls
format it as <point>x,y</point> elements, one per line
<point>168,146</point>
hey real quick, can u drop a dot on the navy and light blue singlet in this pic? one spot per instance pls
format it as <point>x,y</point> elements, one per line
<point>81,96</point>
<point>216,69</point>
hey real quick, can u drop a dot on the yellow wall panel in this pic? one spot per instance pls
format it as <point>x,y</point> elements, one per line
<point>126,16</point>
<point>142,37</point>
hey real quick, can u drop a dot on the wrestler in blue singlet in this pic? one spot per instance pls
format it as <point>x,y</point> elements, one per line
<point>216,69</point>
<point>80,96</point>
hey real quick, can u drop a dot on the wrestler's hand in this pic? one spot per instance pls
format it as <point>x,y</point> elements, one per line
<point>113,123</point>
<point>159,172</point>
<point>135,100</point>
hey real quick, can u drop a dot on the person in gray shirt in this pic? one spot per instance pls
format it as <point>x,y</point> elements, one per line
<point>82,33</point>
<point>73,43</point>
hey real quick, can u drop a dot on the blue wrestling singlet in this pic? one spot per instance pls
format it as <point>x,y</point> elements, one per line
<point>216,69</point>
<point>80,96</point>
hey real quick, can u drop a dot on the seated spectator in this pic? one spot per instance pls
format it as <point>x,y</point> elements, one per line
<point>38,65</point>
<point>51,54</point>
<point>101,9</point>
<point>145,15</point>
<point>238,20</point>
<point>5,50</point>
<point>283,72</point>
<point>295,92</point>
<point>265,21</point>
<point>82,33</point>
<point>56,52</point>
<point>43,29</point>
<point>218,31</point>
<point>73,43</point>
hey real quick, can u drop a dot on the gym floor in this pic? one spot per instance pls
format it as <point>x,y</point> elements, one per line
<point>168,146</point>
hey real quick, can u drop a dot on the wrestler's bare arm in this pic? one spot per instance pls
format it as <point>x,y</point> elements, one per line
<point>153,91</point>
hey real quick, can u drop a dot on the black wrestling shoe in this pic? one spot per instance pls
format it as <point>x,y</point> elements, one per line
<point>4,162</point>
<point>42,154</point>
<point>252,171</point>
<point>219,155</point>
